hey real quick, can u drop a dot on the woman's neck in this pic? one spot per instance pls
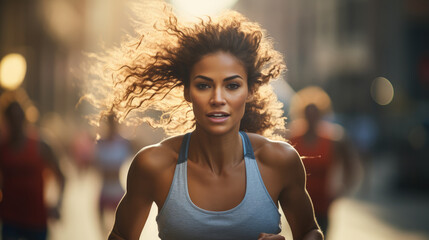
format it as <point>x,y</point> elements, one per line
<point>217,152</point>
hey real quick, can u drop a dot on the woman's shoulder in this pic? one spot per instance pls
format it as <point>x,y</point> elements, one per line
<point>279,154</point>
<point>158,157</point>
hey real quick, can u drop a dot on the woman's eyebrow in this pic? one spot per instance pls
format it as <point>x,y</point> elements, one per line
<point>211,80</point>
<point>204,77</point>
<point>232,77</point>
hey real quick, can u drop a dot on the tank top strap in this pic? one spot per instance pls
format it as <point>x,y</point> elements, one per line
<point>247,146</point>
<point>183,154</point>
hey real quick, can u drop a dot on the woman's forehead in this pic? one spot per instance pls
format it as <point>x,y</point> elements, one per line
<point>218,63</point>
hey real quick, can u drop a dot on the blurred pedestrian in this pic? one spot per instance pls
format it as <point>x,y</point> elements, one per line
<point>82,149</point>
<point>23,161</point>
<point>329,159</point>
<point>112,150</point>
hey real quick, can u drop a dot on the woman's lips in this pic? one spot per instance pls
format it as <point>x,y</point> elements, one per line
<point>218,117</point>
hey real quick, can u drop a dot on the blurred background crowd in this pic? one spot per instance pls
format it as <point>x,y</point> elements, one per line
<point>358,76</point>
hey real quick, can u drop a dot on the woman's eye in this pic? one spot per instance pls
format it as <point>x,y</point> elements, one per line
<point>233,86</point>
<point>202,86</point>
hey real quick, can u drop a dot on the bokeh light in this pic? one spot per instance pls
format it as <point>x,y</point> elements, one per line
<point>12,71</point>
<point>199,8</point>
<point>32,114</point>
<point>382,91</point>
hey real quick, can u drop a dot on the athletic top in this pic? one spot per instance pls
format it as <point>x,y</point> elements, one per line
<point>181,219</point>
<point>23,188</point>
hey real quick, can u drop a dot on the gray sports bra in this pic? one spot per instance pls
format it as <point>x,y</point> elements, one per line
<point>181,219</point>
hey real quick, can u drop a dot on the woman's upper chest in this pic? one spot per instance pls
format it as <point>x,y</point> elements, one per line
<point>219,192</point>
<point>216,192</point>
<point>226,191</point>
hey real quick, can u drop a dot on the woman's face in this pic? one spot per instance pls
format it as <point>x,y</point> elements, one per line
<point>218,92</point>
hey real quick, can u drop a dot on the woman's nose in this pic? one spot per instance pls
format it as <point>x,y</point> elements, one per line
<point>218,97</point>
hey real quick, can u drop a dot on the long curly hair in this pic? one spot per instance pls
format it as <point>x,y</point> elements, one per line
<point>149,73</point>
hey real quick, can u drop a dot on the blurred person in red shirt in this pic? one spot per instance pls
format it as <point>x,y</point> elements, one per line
<point>23,161</point>
<point>329,159</point>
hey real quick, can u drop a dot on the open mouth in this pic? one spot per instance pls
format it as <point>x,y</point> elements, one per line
<point>218,115</point>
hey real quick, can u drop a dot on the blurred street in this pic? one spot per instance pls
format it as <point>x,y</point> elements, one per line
<point>381,212</point>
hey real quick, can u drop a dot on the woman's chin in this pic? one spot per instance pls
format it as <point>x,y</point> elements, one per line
<point>218,130</point>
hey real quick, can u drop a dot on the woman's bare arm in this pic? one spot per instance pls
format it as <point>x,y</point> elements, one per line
<point>284,176</point>
<point>134,208</point>
<point>295,201</point>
